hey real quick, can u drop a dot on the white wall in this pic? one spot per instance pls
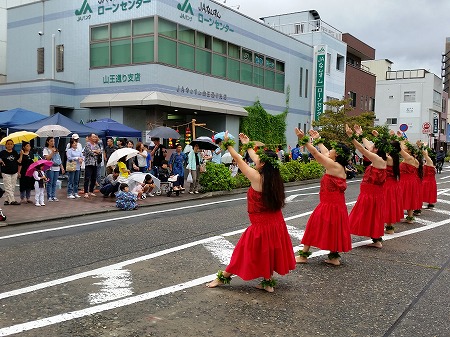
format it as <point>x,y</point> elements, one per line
<point>390,104</point>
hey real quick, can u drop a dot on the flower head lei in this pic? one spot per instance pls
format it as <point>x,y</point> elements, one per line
<point>339,150</point>
<point>383,144</point>
<point>411,148</point>
<point>264,158</point>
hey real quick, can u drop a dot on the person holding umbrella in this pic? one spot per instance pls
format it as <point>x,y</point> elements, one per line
<point>26,183</point>
<point>158,153</point>
<point>51,153</point>
<point>9,161</point>
<point>39,184</point>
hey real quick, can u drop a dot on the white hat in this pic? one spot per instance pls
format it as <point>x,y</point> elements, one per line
<point>75,136</point>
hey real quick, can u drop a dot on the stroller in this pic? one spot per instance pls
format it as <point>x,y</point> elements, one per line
<point>166,187</point>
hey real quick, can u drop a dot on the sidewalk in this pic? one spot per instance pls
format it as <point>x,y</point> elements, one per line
<point>67,208</point>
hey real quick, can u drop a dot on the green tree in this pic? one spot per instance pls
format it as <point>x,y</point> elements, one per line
<point>331,122</point>
<point>262,126</point>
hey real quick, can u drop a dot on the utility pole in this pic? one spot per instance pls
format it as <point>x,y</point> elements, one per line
<point>194,124</point>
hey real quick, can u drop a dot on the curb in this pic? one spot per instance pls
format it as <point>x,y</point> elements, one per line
<point>160,202</point>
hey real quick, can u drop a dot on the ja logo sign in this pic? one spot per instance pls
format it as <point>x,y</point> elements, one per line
<point>85,8</point>
<point>186,7</point>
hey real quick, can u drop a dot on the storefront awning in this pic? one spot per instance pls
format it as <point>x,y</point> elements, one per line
<point>160,98</point>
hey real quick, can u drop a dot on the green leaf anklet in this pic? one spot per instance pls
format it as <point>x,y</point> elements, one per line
<point>268,283</point>
<point>304,254</point>
<point>222,278</point>
<point>333,255</point>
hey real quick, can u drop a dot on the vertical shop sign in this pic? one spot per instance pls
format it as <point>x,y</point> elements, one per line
<point>320,82</point>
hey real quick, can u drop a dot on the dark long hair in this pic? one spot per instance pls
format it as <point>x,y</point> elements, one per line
<point>48,140</point>
<point>395,145</point>
<point>273,196</point>
<point>343,160</point>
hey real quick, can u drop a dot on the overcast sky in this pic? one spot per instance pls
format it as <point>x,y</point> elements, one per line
<point>410,33</point>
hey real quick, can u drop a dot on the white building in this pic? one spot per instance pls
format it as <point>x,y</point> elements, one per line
<point>148,62</point>
<point>411,101</point>
<point>329,54</point>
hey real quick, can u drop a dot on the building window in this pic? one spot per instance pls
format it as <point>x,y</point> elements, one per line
<point>371,104</point>
<point>340,62</point>
<point>40,60</point>
<point>391,121</point>
<point>60,58</point>
<point>353,99</point>
<point>135,42</point>
<point>409,96</point>
<point>437,98</point>
<point>301,82</point>
<point>328,69</point>
<point>306,83</point>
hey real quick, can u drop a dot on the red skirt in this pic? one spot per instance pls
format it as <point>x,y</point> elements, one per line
<point>393,203</point>
<point>429,189</point>
<point>366,217</point>
<point>264,248</point>
<point>328,226</point>
<point>411,189</point>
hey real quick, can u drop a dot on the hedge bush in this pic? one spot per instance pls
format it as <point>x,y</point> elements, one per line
<point>218,177</point>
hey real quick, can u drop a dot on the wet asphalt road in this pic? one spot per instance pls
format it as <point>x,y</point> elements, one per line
<point>144,276</point>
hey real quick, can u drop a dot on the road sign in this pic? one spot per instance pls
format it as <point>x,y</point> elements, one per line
<point>426,127</point>
<point>403,127</point>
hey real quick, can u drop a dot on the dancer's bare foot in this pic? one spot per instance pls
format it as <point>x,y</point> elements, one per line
<point>301,259</point>
<point>334,262</point>
<point>214,283</point>
<point>267,288</point>
<point>375,244</point>
<point>389,231</point>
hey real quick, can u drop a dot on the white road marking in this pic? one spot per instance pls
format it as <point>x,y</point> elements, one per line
<point>295,232</point>
<point>116,284</point>
<point>220,249</point>
<point>443,201</point>
<point>292,197</point>
<point>102,307</point>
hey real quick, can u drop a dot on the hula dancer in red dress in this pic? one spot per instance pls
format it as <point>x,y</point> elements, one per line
<point>366,217</point>
<point>411,172</point>
<point>393,211</point>
<point>328,227</point>
<point>429,186</point>
<point>265,247</point>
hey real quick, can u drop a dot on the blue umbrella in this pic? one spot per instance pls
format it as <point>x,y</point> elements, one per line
<point>221,135</point>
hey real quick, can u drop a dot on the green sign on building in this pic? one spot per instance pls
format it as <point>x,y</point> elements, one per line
<point>320,83</point>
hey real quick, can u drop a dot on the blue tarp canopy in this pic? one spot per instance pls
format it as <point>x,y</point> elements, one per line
<point>113,128</point>
<point>18,116</point>
<point>62,120</point>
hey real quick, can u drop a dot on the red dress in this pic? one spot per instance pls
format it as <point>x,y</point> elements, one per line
<point>410,186</point>
<point>366,217</point>
<point>328,226</point>
<point>393,211</point>
<point>429,187</point>
<point>265,246</point>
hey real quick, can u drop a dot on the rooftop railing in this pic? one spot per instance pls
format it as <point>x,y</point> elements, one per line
<point>307,27</point>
